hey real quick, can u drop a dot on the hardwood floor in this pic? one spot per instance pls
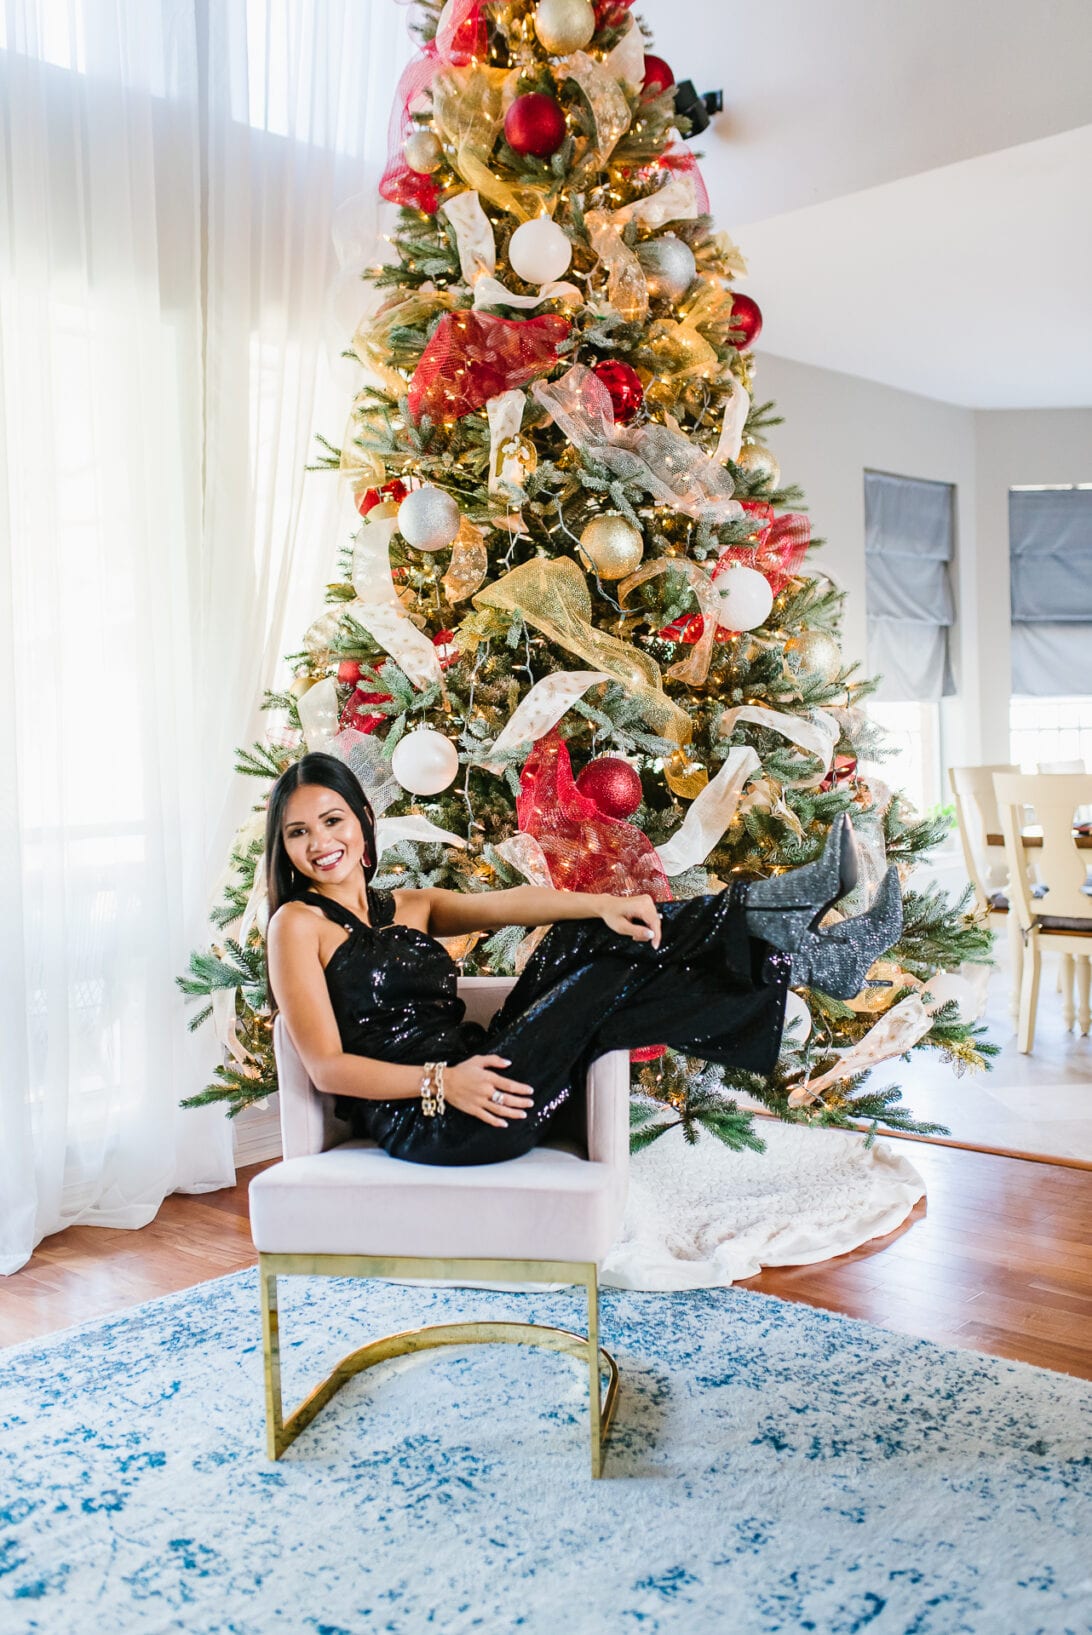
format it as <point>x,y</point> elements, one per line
<point>998,1258</point>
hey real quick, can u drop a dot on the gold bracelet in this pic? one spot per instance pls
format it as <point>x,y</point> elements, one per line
<point>432,1089</point>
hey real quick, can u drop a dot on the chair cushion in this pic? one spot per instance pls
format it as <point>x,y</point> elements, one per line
<point>551,1204</point>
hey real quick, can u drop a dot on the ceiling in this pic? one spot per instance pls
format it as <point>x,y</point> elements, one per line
<point>911,185</point>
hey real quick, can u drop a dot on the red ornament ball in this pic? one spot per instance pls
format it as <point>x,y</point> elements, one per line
<point>623,386</point>
<point>746,316</point>
<point>535,124</point>
<point>658,76</point>
<point>358,716</point>
<point>348,672</point>
<point>395,490</point>
<point>613,785</point>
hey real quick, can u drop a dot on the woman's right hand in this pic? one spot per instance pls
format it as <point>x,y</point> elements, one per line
<point>472,1086</point>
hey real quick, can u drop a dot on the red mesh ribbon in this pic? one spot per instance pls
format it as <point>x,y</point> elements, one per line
<point>473,356</point>
<point>462,36</point>
<point>585,851</point>
<point>781,544</point>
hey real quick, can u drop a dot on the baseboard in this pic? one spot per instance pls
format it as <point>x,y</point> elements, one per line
<point>257,1134</point>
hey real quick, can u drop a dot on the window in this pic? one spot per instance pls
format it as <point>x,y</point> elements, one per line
<point>1050,560</point>
<point>909,543</point>
<point>1054,731</point>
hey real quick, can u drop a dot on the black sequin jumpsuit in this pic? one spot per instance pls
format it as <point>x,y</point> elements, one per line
<point>710,989</point>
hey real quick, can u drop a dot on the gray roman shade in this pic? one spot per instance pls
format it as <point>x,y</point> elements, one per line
<point>1050,559</point>
<point>909,542</point>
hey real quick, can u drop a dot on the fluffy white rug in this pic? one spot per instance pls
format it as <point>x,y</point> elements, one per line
<point>702,1216</point>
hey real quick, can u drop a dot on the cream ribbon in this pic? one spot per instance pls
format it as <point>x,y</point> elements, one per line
<point>391,831</point>
<point>677,200</point>
<point>378,609</point>
<point>626,60</point>
<point>736,411</point>
<point>542,708</point>
<point>897,1031</point>
<point>709,813</point>
<point>318,713</point>
<point>816,736</point>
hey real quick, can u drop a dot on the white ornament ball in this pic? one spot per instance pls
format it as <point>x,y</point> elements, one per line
<point>949,985</point>
<point>564,25</point>
<point>424,761</point>
<point>539,251</point>
<point>423,153</point>
<point>797,1018</point>
<point>429,519</point>
<point>746,599</point>
<point>669,266</point>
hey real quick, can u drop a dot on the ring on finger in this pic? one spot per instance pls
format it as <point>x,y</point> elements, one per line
<point>498,1097</point>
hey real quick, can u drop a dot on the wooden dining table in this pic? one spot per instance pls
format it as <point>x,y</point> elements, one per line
<point>1034,837</point>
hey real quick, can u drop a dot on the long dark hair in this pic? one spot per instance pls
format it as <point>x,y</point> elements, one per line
<point>281,880</point>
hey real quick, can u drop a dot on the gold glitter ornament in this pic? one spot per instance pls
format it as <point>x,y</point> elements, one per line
<point>813,652</point>
<point>756,459</point>
<point>611,546</point>
<point>301,685</point>
<point>564,25</point>
<point>423,153</point>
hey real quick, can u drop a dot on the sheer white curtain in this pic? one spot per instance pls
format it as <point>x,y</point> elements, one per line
<point>170,172</point>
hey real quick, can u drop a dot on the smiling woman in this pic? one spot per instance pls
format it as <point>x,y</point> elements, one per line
<point>369,995</point>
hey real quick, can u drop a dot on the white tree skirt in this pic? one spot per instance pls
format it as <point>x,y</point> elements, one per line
<point>702,1216</point>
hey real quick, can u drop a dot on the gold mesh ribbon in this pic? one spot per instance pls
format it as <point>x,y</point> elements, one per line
<point>694,668</point>
<point>605,97</point>
<point>627,286</point>
<point>468,108</point>
<point>552,596</point>
<point>469,563</point>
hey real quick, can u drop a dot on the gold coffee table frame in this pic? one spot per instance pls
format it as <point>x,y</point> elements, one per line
<point>280,1432</point>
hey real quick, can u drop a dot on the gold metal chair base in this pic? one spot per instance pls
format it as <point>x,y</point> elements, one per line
<point>280,1432</point>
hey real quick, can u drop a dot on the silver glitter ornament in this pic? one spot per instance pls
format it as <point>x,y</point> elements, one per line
<point>669,266</point>
<point>428,519</point>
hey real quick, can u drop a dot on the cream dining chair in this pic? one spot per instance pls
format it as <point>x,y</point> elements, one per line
<point>1054,912</point>
<point>341,1207</point>
<point>985,862</point>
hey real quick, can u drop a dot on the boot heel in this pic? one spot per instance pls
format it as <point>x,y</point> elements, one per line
<point>784,909</point>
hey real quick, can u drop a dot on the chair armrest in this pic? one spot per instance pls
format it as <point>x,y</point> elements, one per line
<point>608,1114</point>
<point>304,1112</point>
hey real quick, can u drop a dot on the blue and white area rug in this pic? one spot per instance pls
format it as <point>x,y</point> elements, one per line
<point>773,1468</point>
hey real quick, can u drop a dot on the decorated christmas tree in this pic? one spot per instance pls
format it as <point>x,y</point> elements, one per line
<point>580,637</point>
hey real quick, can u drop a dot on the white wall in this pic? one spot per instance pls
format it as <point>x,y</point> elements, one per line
<point>838,425</point>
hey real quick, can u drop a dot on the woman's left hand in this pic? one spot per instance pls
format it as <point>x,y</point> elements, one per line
<point>636,917</point>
